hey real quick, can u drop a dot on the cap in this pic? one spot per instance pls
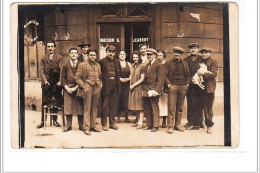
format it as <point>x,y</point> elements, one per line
<point>110,47</point>
<point>194,45</point>
<point>151,50</point>
<point>178,49</point>
<point>205,50</point>
<point>84,43</point>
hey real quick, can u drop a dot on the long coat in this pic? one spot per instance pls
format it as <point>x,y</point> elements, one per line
<point>210,79</point>
<point>72,104</point>
<point>103,63</point>
<point>50,72</point>
<point>154,78</point>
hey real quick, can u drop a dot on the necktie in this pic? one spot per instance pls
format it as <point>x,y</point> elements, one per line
<point>50,57</point>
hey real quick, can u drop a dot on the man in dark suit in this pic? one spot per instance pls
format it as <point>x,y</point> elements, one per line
<point>193,61</point>
<point>208,94</point>
<point>110,69</point>
<point>152,88</point>
<point>84,47</point>
<point>177,79</point>
<point>50,66</point>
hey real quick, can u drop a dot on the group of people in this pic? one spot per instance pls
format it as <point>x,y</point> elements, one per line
<point>148,87</point>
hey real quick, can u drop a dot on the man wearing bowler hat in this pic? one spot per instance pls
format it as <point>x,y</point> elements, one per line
<point>208,94</point>
<point>152,88</point>
<point>177,79</point>
<point>84,47</point>
<point>193,61</point>
<point>110,69</point>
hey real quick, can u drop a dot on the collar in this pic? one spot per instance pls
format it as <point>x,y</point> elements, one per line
<point>176,60</point>
<point>110,59</point>
<point>90,62</point>
<point>153,61</point>
<point>73,62</point>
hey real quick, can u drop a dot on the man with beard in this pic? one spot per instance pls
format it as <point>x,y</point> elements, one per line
<point>110,69</point>
<point>50,66</point>
<point>193,61</point>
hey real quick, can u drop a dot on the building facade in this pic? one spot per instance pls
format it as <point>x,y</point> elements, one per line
<point>126,25</point>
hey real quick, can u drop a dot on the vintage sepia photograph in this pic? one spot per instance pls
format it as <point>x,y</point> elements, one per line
<point>124,76</point>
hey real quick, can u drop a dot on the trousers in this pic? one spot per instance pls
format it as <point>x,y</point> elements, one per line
<point>151,110</point>
<point>109,103</point>
<point>176,96</point>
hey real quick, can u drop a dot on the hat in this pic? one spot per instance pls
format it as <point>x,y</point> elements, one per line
<point>194,45</point>
<point>178,49</point>
<point>205,50</point>
<point>110,47</point>
<point>84,43</point>
<point>151,50</point>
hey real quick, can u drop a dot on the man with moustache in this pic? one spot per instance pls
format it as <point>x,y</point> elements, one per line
<point>193,61</point>
<point>177,79</point>
<point>142,50</point>
<point>152,88</point>
<point>84,47</point>
<point>110,68</point>
<point>50,66</point>
<point>72,104</point>
<point>206,98</point>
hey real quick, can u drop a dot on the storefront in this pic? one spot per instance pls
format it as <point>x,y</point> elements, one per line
<point>161,26</point>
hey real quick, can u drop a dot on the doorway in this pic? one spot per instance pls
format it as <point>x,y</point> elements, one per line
<point>124,36</point>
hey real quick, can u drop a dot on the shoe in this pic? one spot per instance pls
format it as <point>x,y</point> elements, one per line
<point>164,125</point>
<point>195,127</point>
<point>155,129</point>
<point>202,125</point>
<point>170,130</point>
<point>188,124</point>
<point>56,124</point>
<point>135,121</point>
<point>139,127</point>
<point>134,125</point>
<point>105,128</point>
<point>127,120</point>
<point>66,129</point>
<point>178,128</point>
<point>95,129</point>
<point>147,128</point>
<point>81,128</point>
<point>209,130</point>
<point>41,125</point>
<point>87,132</point>
<point>118,120</point>
<point>115,127</point>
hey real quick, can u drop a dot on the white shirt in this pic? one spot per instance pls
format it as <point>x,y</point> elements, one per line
<point>144,59</point>
<point>73,62</point>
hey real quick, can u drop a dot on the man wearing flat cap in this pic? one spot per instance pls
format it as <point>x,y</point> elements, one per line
<point>84,47</point>
<point>206,98</point>
<point>193,61</point>
<point>110,69</point>
<point>177,78</point>
<point>152,88</point>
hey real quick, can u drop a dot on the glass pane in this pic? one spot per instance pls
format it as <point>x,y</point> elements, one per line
<point>109,34</point>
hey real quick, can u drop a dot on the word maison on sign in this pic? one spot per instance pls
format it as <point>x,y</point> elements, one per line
<point>112,40</point>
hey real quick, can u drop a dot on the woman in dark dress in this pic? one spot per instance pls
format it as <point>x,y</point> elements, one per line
<point>125,83</point>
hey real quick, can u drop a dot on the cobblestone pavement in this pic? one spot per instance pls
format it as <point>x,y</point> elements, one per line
<point>125,137</point>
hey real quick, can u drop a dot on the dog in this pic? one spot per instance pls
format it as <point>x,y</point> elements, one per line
<point>197,79</point>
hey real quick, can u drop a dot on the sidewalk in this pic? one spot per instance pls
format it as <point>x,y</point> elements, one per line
<point>125,137</point>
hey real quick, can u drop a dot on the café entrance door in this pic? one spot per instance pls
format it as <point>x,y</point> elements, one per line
<point>124,36</point>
